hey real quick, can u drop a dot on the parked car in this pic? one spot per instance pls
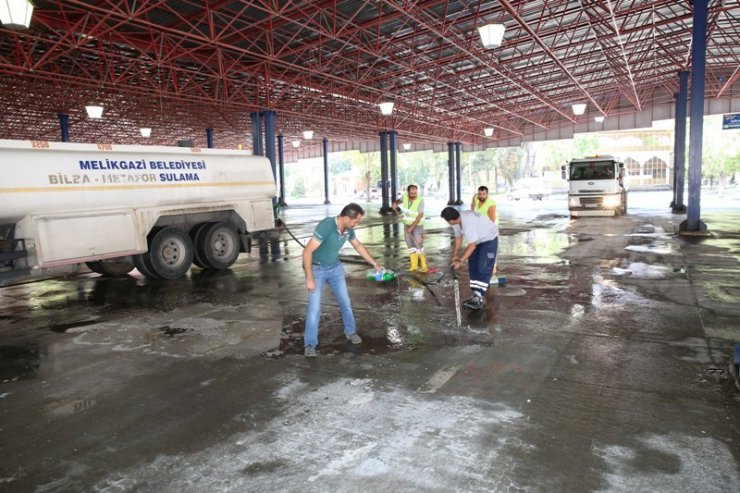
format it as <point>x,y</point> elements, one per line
<point>527,193</point>
<point>374,194</point>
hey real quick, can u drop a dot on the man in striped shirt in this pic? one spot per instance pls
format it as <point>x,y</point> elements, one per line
<point>482,236</point>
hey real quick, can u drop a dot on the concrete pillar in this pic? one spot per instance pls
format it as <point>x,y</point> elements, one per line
<point>209,138</point>
<point>385,206</point>
<point>451,171</point>
<point>679,144</point>
<point>64,126</point>
<point>458,174</point>
<point>698,62</point>
<point>269,117</point>
<point>325,146</point>
<point>256,133</point>
<point>281,171</point>
<point>394,175</point>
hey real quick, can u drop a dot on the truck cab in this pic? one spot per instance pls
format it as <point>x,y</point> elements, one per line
<point>596,186</point>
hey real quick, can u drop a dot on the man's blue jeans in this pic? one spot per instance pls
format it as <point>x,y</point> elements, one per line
<point>333,275</point>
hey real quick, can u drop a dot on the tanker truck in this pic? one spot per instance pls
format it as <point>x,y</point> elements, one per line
<point>596,186</point>
<point>119,207</point>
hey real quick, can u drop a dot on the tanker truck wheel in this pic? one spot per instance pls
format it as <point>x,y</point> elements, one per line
<point>196,233</point>
<point>218,246</point>
<point>144,265</point>
<point>115,267</point>
<point>94,266</point>
<point>170,253</point>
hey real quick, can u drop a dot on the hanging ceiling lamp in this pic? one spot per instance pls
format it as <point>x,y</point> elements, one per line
<point>491,35</point>
<point>16,14</point>
<point>386,107</point>
<point>94,111</point>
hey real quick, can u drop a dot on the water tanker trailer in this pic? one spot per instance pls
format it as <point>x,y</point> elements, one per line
<point>116,207</point>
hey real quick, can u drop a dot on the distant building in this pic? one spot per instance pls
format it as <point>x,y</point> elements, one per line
<point>647,155</point>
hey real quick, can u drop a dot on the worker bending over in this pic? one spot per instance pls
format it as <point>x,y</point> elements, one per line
<point>482,237</point>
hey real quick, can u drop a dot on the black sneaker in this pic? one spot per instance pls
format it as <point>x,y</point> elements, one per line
<point>476,303</point>
<point>469,301</point>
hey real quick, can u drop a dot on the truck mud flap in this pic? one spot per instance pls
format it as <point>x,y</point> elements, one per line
<point>12,250</point>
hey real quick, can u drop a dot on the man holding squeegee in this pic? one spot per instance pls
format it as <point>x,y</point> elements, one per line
<point>482,236</point>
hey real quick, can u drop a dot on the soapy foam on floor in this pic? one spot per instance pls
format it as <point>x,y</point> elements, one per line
<point>683,459</point>
<point>346,433</point>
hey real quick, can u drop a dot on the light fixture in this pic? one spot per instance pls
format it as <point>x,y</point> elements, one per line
<point>16,14</point>
<point>386,107</point>
<point>296,143</point>
<point>94,111</point>
<point>307,134</point>
<point>491,35</point>
<point>145,132</point>
<point>406,146</point>
<point>599,119</point>
<point>579,108</point>
<point>488,132</point>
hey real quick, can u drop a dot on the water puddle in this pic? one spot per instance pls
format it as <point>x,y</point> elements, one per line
<point>62,327</point>
<point>475,331</point>
<point>69,407</point>
<point>643,271</point>
<point>19,362</point>
<point>660,248</point>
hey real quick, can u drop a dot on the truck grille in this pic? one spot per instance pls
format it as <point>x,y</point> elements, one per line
<point>591,200</point>
<point>591,191</point>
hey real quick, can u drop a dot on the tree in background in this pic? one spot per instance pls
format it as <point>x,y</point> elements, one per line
<point>339,163</point>
<point>368,164</point>
<point>720,152</point>
<point>507,160</point>
<point>299,187</point>
<point>481,166</point>
<point>426,169</point>
<point>553,154</point>
<point>585,145</point>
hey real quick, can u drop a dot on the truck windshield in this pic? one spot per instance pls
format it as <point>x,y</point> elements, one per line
<point>592,170</point>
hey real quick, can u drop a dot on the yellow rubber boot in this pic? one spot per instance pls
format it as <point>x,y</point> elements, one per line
<point>423,259</point>
<point>414,261</point>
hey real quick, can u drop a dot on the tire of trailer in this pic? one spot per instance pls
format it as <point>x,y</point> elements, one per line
<point>114,268</point>
<point>94,266</point>
<point>170,253</point>
<point>144,265</point>
<point>196,233</point>
<point>218,245</point>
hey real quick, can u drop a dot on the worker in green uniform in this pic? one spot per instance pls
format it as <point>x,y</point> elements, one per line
<point>483,204</point>
<point>411,208</point>
<point>486,207</point>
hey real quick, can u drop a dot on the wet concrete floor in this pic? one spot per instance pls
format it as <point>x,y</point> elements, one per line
<point>601,366</point>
